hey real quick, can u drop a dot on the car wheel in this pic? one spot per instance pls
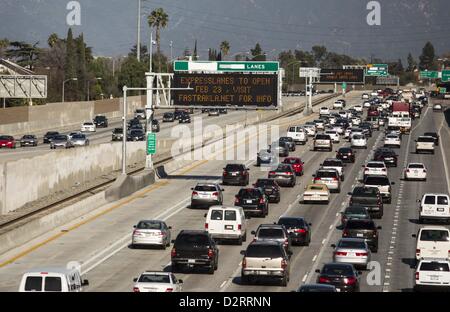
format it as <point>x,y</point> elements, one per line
<point>284,281</point>
<point>244,238</point>
<point>240,240</point>
<point>421,220</point>
<point>342,178</point>
<point>211,269</point>
<point>216,265</point>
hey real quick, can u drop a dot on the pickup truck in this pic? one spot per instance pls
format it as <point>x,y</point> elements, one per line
<point>369,197</point>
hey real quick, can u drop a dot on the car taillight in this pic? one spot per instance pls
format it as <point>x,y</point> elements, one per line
<point>283,264</point>
<point>169,290</point>
<point>261,201</point>
<point>367,169</point>
<point>194,193</point>
<point>173,253</point>
<point>324,280</point>
<point>136,289</point>
<point>272,172</point>
<point>301,231</point>
<point>316,179</point>
<point>215,194</point>
<point>288,173</point>
<point>424,171</point>
<point>340,253</point>
<point>210,253</point>
<point>224,173</point>
<point>417,276</point>
<point>206,226</point>
<point>407,170</point>
<point>244,263</point>
<point>361,254</point>
<point>384,169</point>
<point>345,233</point>
<point>335,179</point>
<point>350,280</point>
<point>136,232</point>
<point>236,200</point>
<point>239,227</point>
<point>418,252</point>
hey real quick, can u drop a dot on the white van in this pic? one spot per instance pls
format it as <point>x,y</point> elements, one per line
<point>298,134</point>
<point>432,242</point>
<point>434,207</point>
<point>52,279</point>
<point>226,222</point>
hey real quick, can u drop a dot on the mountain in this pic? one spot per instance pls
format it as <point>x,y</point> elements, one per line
<point>109,26</point>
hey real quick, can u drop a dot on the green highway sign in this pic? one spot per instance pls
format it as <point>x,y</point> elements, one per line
<point>344,85</point>
<point>377,70</point>
<point>226,66</point>
<point>446,75</point>
<point>442,90</point>
<point>430,74</point>
<point>151,143</point>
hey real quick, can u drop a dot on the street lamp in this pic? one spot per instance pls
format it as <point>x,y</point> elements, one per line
<point>88,86</point>
<point>64,82</point>
<point>293,68</point>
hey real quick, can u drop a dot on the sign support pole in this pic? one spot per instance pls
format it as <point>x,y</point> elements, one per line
<point>149,117</point>
<point>124,132</point>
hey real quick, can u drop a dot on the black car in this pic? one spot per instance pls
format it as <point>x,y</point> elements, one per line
<point>342,122</point>
<point>346,154</point>
<point>101,121</point>
<point>289,142</point>
<point>367,128</point>
<point>155,126</point>
<point>341,275</point>
<point>355,228</point>
<point>184,118</point>
<point>117,134</point>
<point>177,114</point>
<point>271,189</point>
<point>169,117</point>
<point>434,135</point>
<point>194,249</point>
<point>369,197</point>
<point>312,288</point>
<point>135,122</point>
<point>253,200</point>
<point>387,155</point>
<point>28,140</point>
<point>298,228</point>
<point>223,111</point>
<point>50,135</point>
<point>136,135</point>
<point>235,174</point>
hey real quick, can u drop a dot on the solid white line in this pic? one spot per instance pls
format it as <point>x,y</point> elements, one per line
<point>323,241</point>
<point>331,226</point>
<point>223,284</point>
<point>304,278</point>
<point>314,258</point>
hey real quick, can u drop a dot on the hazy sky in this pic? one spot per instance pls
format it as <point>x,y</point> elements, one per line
<point>109,26</point>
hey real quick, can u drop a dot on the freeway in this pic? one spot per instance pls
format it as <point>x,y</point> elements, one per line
<point>100,242</point>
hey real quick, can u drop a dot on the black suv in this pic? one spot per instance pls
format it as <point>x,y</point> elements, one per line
<point>271,189</point>
<point>253,200</point>
<point>341,275</point>
<point>434,135</point>
<point>298,230</point>
<point>169,117</point>
<point>346,154</point>
<point>387,155</point>
<point>355,228</point>
<point>136,135</point>
<point>101,121</point>
<point>184,118</point>
<point>155,126</point>
<point>235,174</point>
<point>194,249</point>
<point>50,135</point>
<point>117,134</point>
<point>369,197</point>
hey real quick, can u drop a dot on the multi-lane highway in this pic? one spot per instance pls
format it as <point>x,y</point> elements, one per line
<point>100,242</point>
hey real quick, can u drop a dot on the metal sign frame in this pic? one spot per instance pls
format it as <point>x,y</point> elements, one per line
<point>23,86</point>
<point>325,71</point>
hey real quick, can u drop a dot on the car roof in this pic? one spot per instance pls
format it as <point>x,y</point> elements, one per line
<point>279,226</point>
<point>348,239</point>
<point>265,243</point>
<point>51,269</point>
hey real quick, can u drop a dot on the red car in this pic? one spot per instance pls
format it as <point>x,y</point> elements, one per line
<point>7,141</point>
<point>297,164</point>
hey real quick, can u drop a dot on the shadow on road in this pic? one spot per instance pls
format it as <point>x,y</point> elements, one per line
<point>411,262</point>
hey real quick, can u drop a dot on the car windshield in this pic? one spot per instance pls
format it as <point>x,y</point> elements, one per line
<point>372,180</point>
<point>189,240</point>
<point>351,244</point>
<point>206,188</point>
<point>356,210</point>
<point>291,161</point>
<point>249,193</point>
<point>154,278</point>
<point>100,117</point>
<point>358,137</point>
<point>322,137</point>
<point>292,222</point>
<point>316,188</point>
<point>425,139</point>
<point>332,163</point>
<point>78,137</point>
<point>149,225</point>
<point>88,124</point>
<point>316,289</point>
<point>136,132</point>
<point>340,270</point>
<point>286,139</point>
<point>5,138</point>
<point>263,251</point>
<point>234,168</point>
<point>376,165</point>
<point>28,137</point>
<point>118,130</point>
<point>360,225</point>
<point>266,182</point>
<point>434,236</point>
<point>434,266</point>
<point>270,233</point>
<point>284,168</point>
<point>345,150</point>
<point>326,174</point>
<point>168,115</point>
<point>60,138</point>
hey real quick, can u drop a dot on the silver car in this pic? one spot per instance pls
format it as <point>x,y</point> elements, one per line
<point>353,251</point>
<point>79,140</point>
<point>61,141</point>
<point>151,233</point>
<point>273,232</point>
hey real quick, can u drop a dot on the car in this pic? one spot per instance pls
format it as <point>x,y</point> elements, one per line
<point>226,223</point>
<point>155,125</point>
<point>319,288</point>
<point>271,189</point>
<point>323,141</point>
<point>117,134</point>
<point>169,117</point>
<point>334,135</point>
<point>178,113</point>
<point>153,281</point>
<point>353,251</point>
<point>387,155</point>
<point>235,174</point>
<point>280,148</point>
<point>61,141</point>
<point>266,157</point>
<point>194,248</point>
<point>338,129</point>
<point>320,124</point>
<point>370,198</point>
<point>346,154</point>
<point>354,212</point>
<point>375,168</point>
<point>88,127</point>
<point>338,104</point>
<point>432,274</point>
<point>343,114</point>
<point>272,233</point>
<point>101,121</point>
<point>140,113</point>
<point>334,163</point>
<point>382,183</point>
<point>184,118</point>
<point>367,128</point>
<point>289,142</point>
<point>151,233</point>
<point>356,121</point>
<point>71,134</point>
<point>392,140</point>
<point>432,242</point>
<point>205,195</point>
<point>434,207</point>
<point>52,279</point>
<point>265,259</point>
<point>349,132</point>
<point>7,141</point>
<point>434,135</point>
<point>298,228</point>
<point>425,144</point>
<point>367,104</point>
<point>329,177</point>
<point>298,134</point>
<point>135,123</point>
<point>437,108</point>
<point>358,108</point>
<point>316,193</point>
<point>48,137</point>
<point>213,112</point>
<point>365,96</point>
<point>223,111</point>
<point>79,140</point>
<point>136,135</point>
<point>296,163</point>
<point>341,275</point>
<point>253,200</point>
<point>310,129</point>
<point>284,174</point>
<point>28,140</point>
<point>324,111</point>
<point>415,171</point>
<point>365,229</point>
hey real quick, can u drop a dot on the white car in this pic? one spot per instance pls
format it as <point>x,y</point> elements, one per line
<point>347,133</point>
<point>437,107</point>
<point>366,104</point>
<point>415,171</point>
<point>320,124</point>
<point>338,129</point>
<point>434,207</point>
<point>356,121</point>
<point>338,104</point>
<point>88,127</point>
<point>359,140</point>
<point>375,168</point>
<point>432,274</point>
<point>298,134</point>
<point>365,96</point>
<point>310,130</point>
<point>150,281</point>
<point>151,233</point>
<point>432,242</point>
<point>334,135</point>
<point>358,108</point>
<point>392,140</point>
<point>343,114</point>
<point>425,144</point>
<point>324,111</point>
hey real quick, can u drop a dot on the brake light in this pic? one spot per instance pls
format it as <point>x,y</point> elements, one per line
<point>244,263</point>
<point>210,253</point>
<point>384,169</point>
<point>340,253</point>
<point>215,194</point>
<point>261,201</point>
<point>136,232</point>
<point>316,179</point>
<point>350,280</point>
<point>173,253</point>
<point>324,280</point>
<point>335,179</point>
<point>272,172</point>
<point>361,254</point>
<point>136,289</point>
<point>194,193</point>
<point>206,226</point>
<point>224,173</point>
<point>301,231</point>
<point>239,227</point>
<point>288,173</point>
<point>169,289</point>
<point>417,252</point>
<point>417,276</point>
<point>236,200</point>
<point>283,264</point>
<point>345,233</point>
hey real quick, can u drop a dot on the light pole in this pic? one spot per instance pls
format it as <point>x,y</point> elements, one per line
<point>171,51</point>
<point>64,82</point>
<point>138,45</point>
<point>152,42</point>
<point>88,86</point>
<point>293,68</point>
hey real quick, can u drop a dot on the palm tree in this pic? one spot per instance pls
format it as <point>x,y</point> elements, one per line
<point>225,48</point>
<point>52,40</point>
<point>158,19</point>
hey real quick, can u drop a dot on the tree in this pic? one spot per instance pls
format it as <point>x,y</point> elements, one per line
<point>319,53</point>
<point>4,43</point>
<point>23,53</point>
<point>52,40</point>
<point>427,58</point>
<point>411,63</point>
<point>219,56</point>
<point>132,74</point>
<point>224,48</point>
<point>195,56</point>
<point>70,66</point>
<point>158,19</point>
<point>257,53</point>
<point>81,66</point>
